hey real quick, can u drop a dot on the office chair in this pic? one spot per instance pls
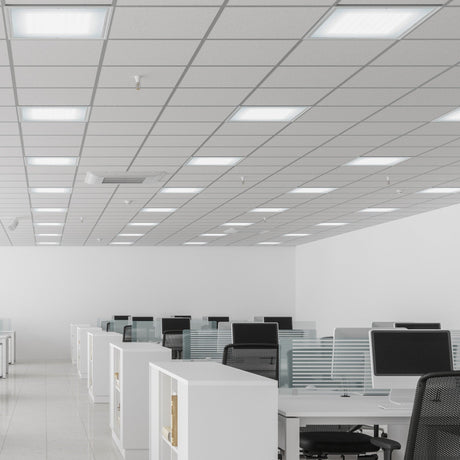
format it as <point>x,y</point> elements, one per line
<point>434,431</point>
<point>109,327</point>
<point>128,333</point>
<point>173,340</point>
<point>258,358</point>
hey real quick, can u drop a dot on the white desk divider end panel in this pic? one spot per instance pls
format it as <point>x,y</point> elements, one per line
<point>82,349</point>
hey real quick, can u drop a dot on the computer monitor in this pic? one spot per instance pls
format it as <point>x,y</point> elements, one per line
<point>419,325</point>
<point>175,324</point>
<point>351,333</point>
<point>383,325</point>
<point>142,318</point>
<point>255,333</point>
<point>218,319</point>
<point>183,316</point>
<point>120,317</point>
<point>284,322</point>
<point>400,357</point>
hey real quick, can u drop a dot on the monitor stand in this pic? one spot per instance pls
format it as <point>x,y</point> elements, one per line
<point>400,399</point>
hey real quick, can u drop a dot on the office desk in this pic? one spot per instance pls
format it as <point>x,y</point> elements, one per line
<point>296,410</point>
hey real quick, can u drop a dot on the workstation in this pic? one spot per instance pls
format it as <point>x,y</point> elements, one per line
<point>247,211</point>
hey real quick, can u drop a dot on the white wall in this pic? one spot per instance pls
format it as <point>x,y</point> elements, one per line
<point>45,289</point>
<point>406,270</point>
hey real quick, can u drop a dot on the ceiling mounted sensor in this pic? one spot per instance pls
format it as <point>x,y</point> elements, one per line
<point>113,178</point>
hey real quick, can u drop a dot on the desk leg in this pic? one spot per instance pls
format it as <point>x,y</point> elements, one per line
<point>399,433</point>
<point>289,437</point>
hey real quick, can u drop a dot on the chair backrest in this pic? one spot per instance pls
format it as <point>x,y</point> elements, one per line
<point>434,432</point>
<point>173,340</point>
<point>128,334</point>
<point>109,326</point>
<point>258,358</point>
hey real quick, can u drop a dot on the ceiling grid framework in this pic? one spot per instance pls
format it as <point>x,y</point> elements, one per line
<point>199,61</point>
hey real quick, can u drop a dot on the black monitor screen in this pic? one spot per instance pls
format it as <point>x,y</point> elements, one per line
<point>121,317</point>
<point>183,316</point>
<point>284,322</point>
<point>255,332</point>
<point>142,318</point>
<point>175,324</point>
<point>411,352</point>
<point>419,325</point>
<point>219,319</point>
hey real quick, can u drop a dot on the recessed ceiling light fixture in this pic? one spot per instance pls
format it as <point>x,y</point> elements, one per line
<point>435,190</point>
<point>48,243</point>
<point>121,243</point>
<point>317,190</point>
<point>269,210</point>
<point>376,161</point>
<point>213,161</point>
<point>49,234</point>
<point>237,224</point>
<point>49,224</point>
<point>131,234</point>
<point>378,210</point>
<point>185,190</point>
<point>269,243</point>
<point>331,224</point>
<point>85,22</point>
<point>51,161</point>
<point>260,113</point>
<point>384,22</point>
<point>158,209</point>
<point>143,224</point>
<point>196,243</point>
<point>53,114</point>
<point>296,235</point>
<point>454,115</point>
<point>214,234</point>
<point>60,210</point>
<point>50,190</point>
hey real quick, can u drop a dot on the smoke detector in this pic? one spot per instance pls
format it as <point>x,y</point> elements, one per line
<point>113,178</point>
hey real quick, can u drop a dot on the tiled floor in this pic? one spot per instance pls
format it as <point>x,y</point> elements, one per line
<point>45,414</point>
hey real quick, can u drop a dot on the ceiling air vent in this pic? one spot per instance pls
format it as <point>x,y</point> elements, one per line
<point>113,178</point>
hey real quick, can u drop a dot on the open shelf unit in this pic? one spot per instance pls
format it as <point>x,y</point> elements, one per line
<point>98,364</point>
<point>129,395</point>
<point>82,349</point>
<point>222,412</point>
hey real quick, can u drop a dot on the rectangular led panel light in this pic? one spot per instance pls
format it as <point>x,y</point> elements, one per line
<point>48,243</point>
<point>158,209</point>
<point>214,234</point>
<point>49,224</point>
<point>384,22</point>
<point>187,190</point>
<point>331,224</point>
<point>196,243</point>
<point>143,224</point>
<point>51,161</point>
<point>376,161</point>
<point>213,161</point>
<point>296,234</point>
<point>60,210</point>
<point>280,114</point>
<point>435,190</point>
<point>53,114</point>
<point>313,190</point>
<point>269,243</point>
<point>49,234</point>
<point>75,22</point>
<point>131,234</point>
<point>121,243</point>
<point>269,210</point>
<point>454,115</point>
<point>381,210</point>
<point>50,190</point>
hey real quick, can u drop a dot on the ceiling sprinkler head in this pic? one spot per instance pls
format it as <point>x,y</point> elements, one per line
<point>14,224</point>
<point>128,202</point>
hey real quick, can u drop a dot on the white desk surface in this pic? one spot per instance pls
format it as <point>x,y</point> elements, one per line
<point>320,407</point>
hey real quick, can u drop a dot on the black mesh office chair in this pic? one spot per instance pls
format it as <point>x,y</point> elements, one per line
<point>173,340</point>
<point>109,327</point>
<point>128,333</point>
<point>434,432</point>
<point>258,358</point>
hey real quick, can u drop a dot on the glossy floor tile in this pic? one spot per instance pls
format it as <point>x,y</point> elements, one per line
<point>45,414</point>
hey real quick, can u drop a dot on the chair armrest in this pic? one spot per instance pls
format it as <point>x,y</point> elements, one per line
<point>386,444</point>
